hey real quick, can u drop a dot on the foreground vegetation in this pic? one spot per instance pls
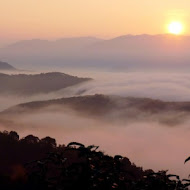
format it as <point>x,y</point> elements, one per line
<point>31,163</point>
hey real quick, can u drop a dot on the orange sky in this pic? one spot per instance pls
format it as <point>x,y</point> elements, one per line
<point>26,19</point>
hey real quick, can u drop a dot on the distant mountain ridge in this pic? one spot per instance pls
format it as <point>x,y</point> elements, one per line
<point>46,45</point>
<point>23,84</point>
<point>123,52</point>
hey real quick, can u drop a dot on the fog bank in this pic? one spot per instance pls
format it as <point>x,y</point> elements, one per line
<point>147,144</point>
<point>166,86</point>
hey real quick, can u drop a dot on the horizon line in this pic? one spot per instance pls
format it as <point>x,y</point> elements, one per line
<point>89,36</point>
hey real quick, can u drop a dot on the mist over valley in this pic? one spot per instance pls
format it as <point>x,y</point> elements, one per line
<point>121,112</point>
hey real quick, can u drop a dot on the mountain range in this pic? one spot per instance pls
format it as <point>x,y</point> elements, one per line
<point>127,51</point>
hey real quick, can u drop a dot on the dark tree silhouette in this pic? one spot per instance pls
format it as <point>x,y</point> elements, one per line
<point>49,141</point>
<point>39,164</point>
<point>30,139</point>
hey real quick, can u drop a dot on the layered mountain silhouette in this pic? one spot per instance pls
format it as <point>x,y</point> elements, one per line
<point>5,66</point>
<point>121,52</point>
<point>110,108</point>
<point>37,83</point>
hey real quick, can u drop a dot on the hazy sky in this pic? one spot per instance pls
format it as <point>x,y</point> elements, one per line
<point>26,19</point>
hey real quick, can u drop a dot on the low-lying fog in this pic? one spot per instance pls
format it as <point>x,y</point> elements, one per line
<point>148,144</point>
<point>167,86</point>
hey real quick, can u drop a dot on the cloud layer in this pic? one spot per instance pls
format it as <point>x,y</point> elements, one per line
<point>156,85</point>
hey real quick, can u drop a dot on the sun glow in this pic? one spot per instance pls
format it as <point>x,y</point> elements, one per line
<point>175,28</point>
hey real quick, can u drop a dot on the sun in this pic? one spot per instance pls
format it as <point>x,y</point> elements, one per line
<point>175,28</point>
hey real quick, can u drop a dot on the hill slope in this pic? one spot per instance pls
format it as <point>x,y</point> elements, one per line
<point>6,66</point>
<point>39,83</point>
<point>110,108</point>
